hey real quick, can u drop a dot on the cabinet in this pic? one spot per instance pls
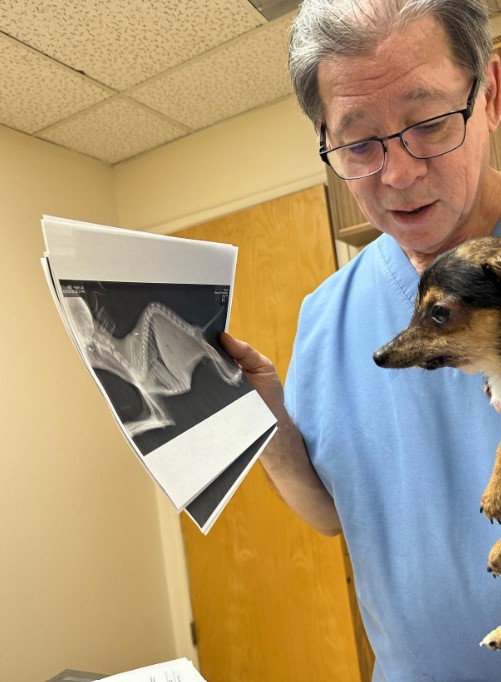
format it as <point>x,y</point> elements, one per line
<point>348,222</point>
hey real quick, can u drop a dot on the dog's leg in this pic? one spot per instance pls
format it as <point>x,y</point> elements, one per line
<point>492,640</point>
<point>490,503</point>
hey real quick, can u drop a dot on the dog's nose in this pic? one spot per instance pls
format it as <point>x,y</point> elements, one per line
<point>380,357</point>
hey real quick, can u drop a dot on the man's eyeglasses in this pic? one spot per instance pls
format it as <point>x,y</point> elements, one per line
<point>424,140</point>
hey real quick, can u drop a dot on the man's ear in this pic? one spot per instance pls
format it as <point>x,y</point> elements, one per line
<point>492,268</point>
<point>493,92</point>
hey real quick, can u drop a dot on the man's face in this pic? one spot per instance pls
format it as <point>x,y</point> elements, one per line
<point>427,205</point>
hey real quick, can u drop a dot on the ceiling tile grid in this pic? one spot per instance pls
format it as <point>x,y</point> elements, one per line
<point>37,91</point>
<point>114,131</point>
<point>247,73</point>
<point>116,78</point>
<point>123,42</point>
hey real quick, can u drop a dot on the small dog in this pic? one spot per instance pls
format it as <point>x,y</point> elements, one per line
<point>457,323</point>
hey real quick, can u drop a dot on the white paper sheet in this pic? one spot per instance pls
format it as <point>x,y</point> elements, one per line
<point>145,313</point>
<point>180,670</point>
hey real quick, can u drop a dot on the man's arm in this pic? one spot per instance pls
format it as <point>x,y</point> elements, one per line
<point>285,459</point>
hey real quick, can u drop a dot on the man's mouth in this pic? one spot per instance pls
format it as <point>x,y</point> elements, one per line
<point>411,216</point>
<point>410,211</point>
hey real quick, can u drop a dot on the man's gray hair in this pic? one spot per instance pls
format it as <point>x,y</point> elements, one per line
<point>324,29</point>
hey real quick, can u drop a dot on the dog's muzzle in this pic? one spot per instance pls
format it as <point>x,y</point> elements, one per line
<point>386,356</point>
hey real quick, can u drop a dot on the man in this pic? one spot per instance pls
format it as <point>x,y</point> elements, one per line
<point>404,95</point>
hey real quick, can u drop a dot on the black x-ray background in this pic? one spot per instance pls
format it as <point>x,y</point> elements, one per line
<point>118,305</point>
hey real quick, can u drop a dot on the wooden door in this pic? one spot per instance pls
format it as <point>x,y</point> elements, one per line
<point>269,594</point>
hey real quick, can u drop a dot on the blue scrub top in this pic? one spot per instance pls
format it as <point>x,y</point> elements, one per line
<point>406,455</point>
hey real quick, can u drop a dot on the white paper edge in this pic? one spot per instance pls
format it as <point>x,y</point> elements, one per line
<point>80,251</point>
<point>182,669</point>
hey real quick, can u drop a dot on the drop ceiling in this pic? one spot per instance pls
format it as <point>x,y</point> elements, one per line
<point>113,79</point>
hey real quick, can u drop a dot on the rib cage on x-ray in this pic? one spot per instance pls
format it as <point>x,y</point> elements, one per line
<point>158,356</point>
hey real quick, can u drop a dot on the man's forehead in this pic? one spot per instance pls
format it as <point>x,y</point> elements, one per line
<point>412,65</point>
<point>353,110</point>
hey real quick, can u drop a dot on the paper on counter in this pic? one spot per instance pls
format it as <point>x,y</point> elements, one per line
<point>180,670</point>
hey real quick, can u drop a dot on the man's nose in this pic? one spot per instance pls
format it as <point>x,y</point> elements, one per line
<point>401,169</point>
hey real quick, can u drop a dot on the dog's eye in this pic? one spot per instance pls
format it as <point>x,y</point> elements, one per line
<point>439,314</point>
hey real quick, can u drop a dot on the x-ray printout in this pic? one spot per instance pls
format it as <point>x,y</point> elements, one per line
<point>145,312</point>
<point>180,670</point>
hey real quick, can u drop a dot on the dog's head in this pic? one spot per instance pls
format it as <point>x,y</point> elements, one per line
<point>457,314</point>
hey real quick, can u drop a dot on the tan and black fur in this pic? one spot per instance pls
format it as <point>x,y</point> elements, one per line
<point>457,323</point>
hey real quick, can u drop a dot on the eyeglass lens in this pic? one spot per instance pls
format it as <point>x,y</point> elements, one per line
<point>434,137</point>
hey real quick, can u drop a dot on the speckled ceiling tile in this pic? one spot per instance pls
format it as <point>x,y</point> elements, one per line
<point>113,131</point>
<point>249,72</point>
<point>123,42</point>
<point>37,91</point>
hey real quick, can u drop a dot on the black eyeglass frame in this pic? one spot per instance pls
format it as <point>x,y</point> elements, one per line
<point>466,113</point>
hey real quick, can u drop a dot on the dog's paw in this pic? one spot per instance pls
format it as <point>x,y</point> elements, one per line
<point>496,404</point>
<point>492,640</point>
<point>490,504</point>
<point>494,560</point>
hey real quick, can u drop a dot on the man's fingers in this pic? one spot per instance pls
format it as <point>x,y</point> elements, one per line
<point>259,370</point>
<point>236,348</point>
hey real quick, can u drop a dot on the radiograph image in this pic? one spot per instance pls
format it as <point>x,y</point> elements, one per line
<point>155,350</point>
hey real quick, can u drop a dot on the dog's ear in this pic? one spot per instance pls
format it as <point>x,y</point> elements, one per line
<point>492,268</point>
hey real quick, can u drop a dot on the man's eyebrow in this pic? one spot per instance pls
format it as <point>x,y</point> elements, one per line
<point>348,119</point>
<point>416,95</point>
<point>425,93</point>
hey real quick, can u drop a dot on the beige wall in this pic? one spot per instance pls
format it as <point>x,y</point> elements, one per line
<point>82,581</point>
<point>249,159</point>
<point>252,158</point>
<point>93,574</point>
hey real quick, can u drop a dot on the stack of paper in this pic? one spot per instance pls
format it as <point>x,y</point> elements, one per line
<point>145,312</point>
<point>180,670</point>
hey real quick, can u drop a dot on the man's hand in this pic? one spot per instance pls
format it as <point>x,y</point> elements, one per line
<point>259,370</point>
<point>285,459</point>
